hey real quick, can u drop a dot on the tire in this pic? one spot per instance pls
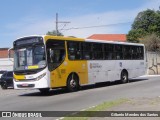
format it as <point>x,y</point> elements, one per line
<point>44,90</point>
<point>4,85</point>
<point>72,83</point>
<point>124,77</point>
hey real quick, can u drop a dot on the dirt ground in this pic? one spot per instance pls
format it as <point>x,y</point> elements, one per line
<point>135,104</point>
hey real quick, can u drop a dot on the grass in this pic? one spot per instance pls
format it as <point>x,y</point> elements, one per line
<point>93,112</point>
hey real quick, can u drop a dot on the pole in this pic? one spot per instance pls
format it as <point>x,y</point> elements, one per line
<point>57,24</point>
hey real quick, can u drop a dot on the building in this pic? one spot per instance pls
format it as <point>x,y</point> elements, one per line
<point>109,37</point>
<point>5,62</point>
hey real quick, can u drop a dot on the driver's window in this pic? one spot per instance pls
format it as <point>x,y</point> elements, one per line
<point>55,53</point>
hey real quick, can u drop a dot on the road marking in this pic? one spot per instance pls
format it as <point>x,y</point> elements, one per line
<point>92,106</point>
<point>60,118</point>
<point>76,112</point>
<point>83,110</point>
<point>88,108</point>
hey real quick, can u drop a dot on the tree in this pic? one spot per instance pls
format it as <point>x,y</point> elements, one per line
<point>151,42</point>
<point>146,23</point>
<point>54,33</point>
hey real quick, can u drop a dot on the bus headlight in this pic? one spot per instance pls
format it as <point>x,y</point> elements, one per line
<point>41,76</point>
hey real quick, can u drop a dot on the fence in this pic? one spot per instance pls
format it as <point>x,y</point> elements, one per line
<point>153,59</point>
<point>6,64</point>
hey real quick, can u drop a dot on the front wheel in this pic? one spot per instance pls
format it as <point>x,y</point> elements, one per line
<point>73,83</point>
<point>4,85</point>
<point>124,77</point>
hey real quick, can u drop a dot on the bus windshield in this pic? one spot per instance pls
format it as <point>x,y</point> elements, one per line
<point>29,58</point>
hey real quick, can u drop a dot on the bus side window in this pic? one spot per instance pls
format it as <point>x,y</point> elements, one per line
<point>118,52</point>
<point>109,52</point>
<point>127,52</point>
<point>141,52</point>
<point>134,52</point>
<point>74,52</point>
<point>97,51</point>
<point>86,48</point>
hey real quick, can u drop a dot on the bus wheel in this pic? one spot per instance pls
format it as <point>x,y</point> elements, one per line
<point>124,77</point>
<point>44,90</point>
<point>72,83</point>
<point>4,85</point>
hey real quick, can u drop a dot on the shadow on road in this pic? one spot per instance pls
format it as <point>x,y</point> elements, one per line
<point>60,91</point>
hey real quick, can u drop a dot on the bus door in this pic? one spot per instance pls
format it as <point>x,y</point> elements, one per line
<point>55,57</point>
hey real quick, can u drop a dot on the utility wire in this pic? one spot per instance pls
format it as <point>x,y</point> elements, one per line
<point>96,26</point>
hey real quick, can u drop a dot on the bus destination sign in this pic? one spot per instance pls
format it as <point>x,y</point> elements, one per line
<point>30,40</point>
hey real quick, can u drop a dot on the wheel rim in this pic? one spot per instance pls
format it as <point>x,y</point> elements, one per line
<point>73,82</point>
<point>124,77</point>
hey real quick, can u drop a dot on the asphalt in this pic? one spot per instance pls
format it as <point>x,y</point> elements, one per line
<point>61,100</point>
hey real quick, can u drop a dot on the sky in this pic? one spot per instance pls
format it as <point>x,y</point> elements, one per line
<point>20,18</point>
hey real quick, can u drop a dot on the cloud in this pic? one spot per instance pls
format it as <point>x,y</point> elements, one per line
<point>31,25</point>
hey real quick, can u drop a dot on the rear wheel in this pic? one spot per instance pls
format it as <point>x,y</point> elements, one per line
<point>124,77</point>
<point>72,83</point>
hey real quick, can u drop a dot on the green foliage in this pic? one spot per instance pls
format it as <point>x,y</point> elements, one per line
<point>135,35</point>
<point>146,23</point>
<point>54,33</point>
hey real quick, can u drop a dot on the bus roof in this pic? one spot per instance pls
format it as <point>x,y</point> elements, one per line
<point>53,37</point>
<point>115,42</point>
<point>63,38</point>
<point>46,37</point>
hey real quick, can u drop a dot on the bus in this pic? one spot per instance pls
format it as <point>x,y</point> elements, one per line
<point>47,62</point>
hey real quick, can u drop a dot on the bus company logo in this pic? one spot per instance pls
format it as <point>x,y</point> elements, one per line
<point>95,65</point>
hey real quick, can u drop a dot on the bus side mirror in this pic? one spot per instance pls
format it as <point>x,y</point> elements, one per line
<point>10,54</point>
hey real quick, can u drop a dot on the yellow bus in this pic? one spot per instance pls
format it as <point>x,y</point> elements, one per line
<point>47,62</point>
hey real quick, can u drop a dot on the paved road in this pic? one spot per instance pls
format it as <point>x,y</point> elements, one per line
<point>60,100</point>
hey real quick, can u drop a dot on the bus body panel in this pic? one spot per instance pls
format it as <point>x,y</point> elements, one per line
<point>38,80</point>
<point>60,75</point>
<point>110,70</point>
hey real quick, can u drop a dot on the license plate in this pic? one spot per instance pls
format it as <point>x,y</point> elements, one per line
<point>24,85</point>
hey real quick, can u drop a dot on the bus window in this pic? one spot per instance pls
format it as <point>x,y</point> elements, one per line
<point>74,50</point>
<point>134,53</point>
<point>127,52</point>
<point>55,53</point>
<point>97,51</point>
<point>118,52</point>
<point>39,56</point>
<point>109,51</point>
<point>140,52</point>
<point>86,50</point>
